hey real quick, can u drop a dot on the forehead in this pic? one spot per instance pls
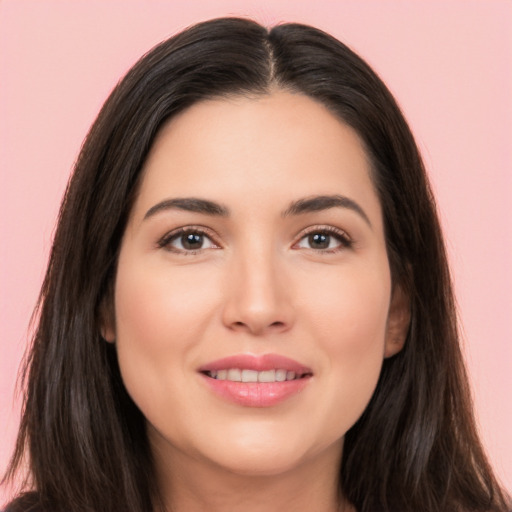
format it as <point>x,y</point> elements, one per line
<point>282,145</point>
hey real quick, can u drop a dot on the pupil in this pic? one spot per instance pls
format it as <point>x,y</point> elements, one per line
<point>192,241</point>
<point>319,241</point>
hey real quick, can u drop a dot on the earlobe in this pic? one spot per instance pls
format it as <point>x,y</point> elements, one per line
<point>107,333</point>
<point>107,320</point>
<point>399,318</point>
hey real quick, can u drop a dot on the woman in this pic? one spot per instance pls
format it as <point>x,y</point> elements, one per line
<point>247,304</point>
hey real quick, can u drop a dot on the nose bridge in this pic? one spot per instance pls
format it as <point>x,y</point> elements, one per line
<point>257,297</point>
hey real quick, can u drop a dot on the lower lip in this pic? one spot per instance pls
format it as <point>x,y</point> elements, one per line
<point>256,394</point>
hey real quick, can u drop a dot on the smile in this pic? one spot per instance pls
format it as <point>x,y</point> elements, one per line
<point>256,381</point>
<point>238,375</point>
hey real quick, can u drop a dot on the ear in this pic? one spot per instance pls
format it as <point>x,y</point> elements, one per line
<point>108,333</point>
<point>399,318</point>
<point>107,319</point>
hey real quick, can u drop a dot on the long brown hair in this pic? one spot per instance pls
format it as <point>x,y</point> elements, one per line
<point>415,448</point>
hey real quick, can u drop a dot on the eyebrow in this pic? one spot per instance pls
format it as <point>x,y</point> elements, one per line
<point>189,204</point>
<point>319,203</point>
<point>299,207</point>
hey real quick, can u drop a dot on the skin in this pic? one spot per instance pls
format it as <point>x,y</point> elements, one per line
<point>256,286</point>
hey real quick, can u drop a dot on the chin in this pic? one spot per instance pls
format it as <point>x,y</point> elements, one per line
<point>260,464</point>
<point>268,455</point>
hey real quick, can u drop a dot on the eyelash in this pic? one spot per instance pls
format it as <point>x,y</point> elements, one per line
<point>167,239</point>
<point>344,240</point>
<point>165,242</point>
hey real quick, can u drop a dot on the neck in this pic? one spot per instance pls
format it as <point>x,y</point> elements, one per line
<point>193,485</point>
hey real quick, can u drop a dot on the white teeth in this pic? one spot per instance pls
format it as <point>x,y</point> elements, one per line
<point>267,376</point>
<point>234,374</point>
<point>249,376</point>
<point>280,375</point>
<point>237,375</point>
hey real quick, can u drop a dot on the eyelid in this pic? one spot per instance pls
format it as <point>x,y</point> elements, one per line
<point>341,235</point>
<point>345,240</point>
<point>165,240</point>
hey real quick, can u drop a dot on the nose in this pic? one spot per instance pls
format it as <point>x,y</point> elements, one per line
<point>257,296</point>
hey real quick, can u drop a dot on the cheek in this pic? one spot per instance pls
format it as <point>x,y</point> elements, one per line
<point>156,307</point>
<point>350,317</point>
<point>350,307</point>
<point>159,316</point>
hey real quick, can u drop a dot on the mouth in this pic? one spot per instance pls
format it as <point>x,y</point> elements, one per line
<point>256,381</point>
<point>247,375</point>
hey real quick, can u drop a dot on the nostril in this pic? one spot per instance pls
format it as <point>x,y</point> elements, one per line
<point>256,327</point>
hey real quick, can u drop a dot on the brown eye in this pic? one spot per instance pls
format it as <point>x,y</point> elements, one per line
<point>326,240</point>
<point>189,241</point>
<point>319,241</point>
<point>192,241</point>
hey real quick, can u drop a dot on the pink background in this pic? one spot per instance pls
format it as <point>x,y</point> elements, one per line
<point>448,62</point>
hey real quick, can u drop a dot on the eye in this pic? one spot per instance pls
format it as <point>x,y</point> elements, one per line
<point>326,239</point>
<point>187,241</point>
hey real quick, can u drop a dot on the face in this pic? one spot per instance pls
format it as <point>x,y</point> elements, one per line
<point>253,298</point>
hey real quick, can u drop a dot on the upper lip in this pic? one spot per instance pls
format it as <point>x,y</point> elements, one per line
<point>258,363</point>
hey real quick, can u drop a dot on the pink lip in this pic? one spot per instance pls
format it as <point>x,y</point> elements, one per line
<point>258,363</point>
<point>256,394</point>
